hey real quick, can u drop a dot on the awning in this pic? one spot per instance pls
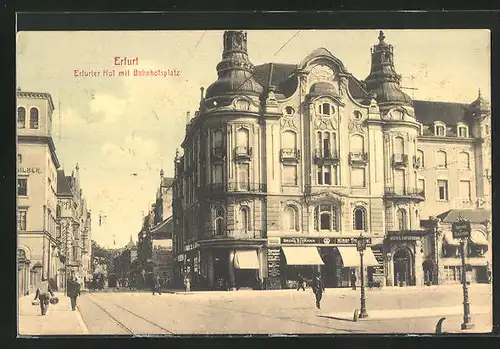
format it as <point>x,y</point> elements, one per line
<point>478,238</point>
<point>448,237</point>
<point>246,260</point>
<point>352,259</point>
<point>302,255</point>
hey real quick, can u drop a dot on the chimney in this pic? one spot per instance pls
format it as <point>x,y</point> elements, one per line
<point>202,89</point>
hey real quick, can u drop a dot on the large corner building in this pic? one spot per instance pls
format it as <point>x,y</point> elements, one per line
<point>285,165</point>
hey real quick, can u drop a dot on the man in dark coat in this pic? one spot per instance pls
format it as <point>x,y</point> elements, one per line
<point>353,279</point>
<point>156,285</point>
<point>43,292</point>
<point>73,292</point>
<point>318,288</point>
<point>300,282</point>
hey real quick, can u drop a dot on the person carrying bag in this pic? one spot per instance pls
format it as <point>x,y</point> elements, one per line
<point>43,293</point>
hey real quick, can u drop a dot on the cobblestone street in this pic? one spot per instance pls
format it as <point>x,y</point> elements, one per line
<point>391,310</point>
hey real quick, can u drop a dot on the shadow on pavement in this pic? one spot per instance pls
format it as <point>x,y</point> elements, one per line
<point>336,318</point>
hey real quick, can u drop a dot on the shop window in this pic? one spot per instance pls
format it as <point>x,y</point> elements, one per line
<point>359,219</point>
<point>21,117</point>
<point>34,118</point>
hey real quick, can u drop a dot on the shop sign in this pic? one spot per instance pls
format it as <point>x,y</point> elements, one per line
<point>273,261</point>
<point>180,258</point>
<point>404,238</point>
<point>191,246</point>
<point>28,170</point>
<point>273,240</point>
<point>461,229</point>
<point>379,269</point>
<point>323,241</point>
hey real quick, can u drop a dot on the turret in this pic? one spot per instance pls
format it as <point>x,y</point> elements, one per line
<point>383,79</point>
<point>235,71</point>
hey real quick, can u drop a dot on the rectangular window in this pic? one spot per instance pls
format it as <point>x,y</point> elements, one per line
<point>334,175</point>
<point>19,158</point>
<point>289,175</point>
<point>217,173</point>
<point>243,176</point>
<point>421,186</point>
<point>464,189</point>
<point>328,175</point>
<point>462,132</point>
<point>21,220</point>
<point>358,177</point>
<point>22,187</point>
<point>442,190</point>
<point>320,175</point>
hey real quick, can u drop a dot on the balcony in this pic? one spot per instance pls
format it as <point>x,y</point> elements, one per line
<point>290,155</point>
<point>400,160</point>
<point>417,162</point>
<point>235,234</point>
<point>243,153</point>
<point>218,153</point>
<point>326,157</point>
<point>358,158</point>
<point>409,193</point>
<point>233,187</point>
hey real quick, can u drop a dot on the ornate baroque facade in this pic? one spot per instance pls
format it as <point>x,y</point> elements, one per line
<point>284,165</point>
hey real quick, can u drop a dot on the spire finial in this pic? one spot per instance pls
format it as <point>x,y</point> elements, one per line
<point>479,93</point>
<point>381,36</point>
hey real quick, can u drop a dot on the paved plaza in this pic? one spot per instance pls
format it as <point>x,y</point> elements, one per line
<point>391,310</point>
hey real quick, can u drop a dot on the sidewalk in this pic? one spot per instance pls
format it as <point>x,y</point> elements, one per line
<point>59,320</point>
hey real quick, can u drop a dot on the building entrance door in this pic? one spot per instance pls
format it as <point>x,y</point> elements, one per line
<point>328,270</point>
<point>221,269</point>
<point>402,268</point>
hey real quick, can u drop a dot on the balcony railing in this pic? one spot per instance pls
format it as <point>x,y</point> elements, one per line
<point>400,160</point>
<point>235,234</point>
<point>358,158</point>
<point>416,193</point>
<point>290,154</point>
<point>235,187</point>
<point>326,156</point>
<point>242,152</point>
<point>417,162</point>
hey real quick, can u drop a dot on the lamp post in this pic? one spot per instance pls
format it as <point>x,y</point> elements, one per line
<point>361,247</point>
<point>461,230</point>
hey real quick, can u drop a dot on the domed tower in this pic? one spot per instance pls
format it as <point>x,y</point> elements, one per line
<point>383,79</point>
<point>235,71</point>
<point>400,132</point>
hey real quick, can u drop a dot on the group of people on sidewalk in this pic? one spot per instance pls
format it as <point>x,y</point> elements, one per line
<point>45,294</point>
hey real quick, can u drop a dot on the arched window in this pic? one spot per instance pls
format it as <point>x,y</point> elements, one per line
<point>244,218</point>
<point>326,217</point>
<point>290,218</point>
<point>21,117</point>
<point>401,218</point>
<point>34,118</point>
<point>441,159</point>
<point>219,221</point>
<point>326,144</point>
<point>464,160</point>
<point>399,145</point>
<point>217,138</point>
<point>242,138</point>
<point>359,222</point>
<point>357,144</point>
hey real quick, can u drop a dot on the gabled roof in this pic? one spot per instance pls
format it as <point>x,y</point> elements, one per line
<point>428,112</point>
<point>474,216</point>
<point>63,188</point>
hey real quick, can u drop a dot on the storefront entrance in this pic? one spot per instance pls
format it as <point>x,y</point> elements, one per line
<point>402,268</point>
<point>328,271</point>
<point>221,269</point>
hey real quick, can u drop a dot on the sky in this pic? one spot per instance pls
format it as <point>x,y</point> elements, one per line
<point>123,130</point>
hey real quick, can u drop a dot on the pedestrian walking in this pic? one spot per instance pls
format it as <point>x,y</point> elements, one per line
<point>156,285</point>
<point>187,284</point>
<point>73,291</point>
<point>301,282</point>
<point>43,293</point>
<point>318,288</point>
<point>353,279</point>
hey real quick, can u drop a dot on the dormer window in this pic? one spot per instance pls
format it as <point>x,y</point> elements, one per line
<point>325,109</point>
<point>462,131</point>
<point>440,130</point>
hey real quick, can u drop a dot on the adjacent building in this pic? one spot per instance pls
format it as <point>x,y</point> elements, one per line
<point>284,166</point>
<point>53,222</point>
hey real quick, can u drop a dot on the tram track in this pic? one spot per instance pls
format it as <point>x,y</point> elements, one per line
<point>120,323</point>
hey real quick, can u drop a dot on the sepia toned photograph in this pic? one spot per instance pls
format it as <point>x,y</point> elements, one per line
<point>254,182</point>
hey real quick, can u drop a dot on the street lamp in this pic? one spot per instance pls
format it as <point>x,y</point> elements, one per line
<point>461,230</point>
<point>361,247</point>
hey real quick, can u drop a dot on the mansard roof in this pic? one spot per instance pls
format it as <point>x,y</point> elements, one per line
<point>428,112</point>
<point>63,187</point>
